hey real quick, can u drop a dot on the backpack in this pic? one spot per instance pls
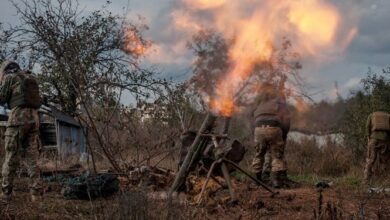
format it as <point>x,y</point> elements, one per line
<point>270,107</point>
<point>380,121</point>
<point>27,93</point>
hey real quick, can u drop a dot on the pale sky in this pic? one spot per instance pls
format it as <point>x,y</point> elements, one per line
<point>369,49</point>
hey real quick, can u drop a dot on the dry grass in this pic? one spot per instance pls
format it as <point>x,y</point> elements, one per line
<point>331,160</point>
<point>132,202</point>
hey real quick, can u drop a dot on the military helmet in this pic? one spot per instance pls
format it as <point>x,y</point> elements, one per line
<point>9,66</point>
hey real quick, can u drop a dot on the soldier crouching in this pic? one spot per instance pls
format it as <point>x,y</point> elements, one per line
<point>19,90</point>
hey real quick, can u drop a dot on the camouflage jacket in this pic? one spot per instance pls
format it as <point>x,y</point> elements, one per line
<point>273,110</point>
<point>379,135</point>
<point>18,116</point>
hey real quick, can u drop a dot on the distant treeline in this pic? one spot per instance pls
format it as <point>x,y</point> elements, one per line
<point>349,115</point>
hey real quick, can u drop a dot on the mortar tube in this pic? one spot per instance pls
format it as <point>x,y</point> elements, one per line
<point>226,125</point>
<point>181,176</point>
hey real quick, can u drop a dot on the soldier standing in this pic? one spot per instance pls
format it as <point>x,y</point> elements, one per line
<point>272,125</point>
<point>377,128</point>
<point>19,90</point>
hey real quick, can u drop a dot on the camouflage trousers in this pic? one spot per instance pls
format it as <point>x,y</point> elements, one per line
<point>375,149</point>
<point>269,139</point>
<point>21,145</point>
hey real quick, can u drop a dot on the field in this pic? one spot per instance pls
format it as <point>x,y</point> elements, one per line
<point>146,198</point>
<point>345,199</point>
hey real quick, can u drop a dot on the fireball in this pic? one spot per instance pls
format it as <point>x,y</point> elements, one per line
<point>256,27</point>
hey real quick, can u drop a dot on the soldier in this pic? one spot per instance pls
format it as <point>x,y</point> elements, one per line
<point>266,175</point>
<point>272,125</point>
<point>19,90</point>
<point>377,128</point>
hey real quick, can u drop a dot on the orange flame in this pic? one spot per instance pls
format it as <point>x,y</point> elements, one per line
<point>316,23</point>
<point>133,43</point>
<point>225,106</point>
<point>257,26</point>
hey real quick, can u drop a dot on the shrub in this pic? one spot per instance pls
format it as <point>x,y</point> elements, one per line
<point>305,157</point>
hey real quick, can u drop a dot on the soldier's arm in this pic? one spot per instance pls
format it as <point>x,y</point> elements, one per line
<point>286,118</point>
<point>5,90</point>
<point>368,126</point>
<point>252,112</point>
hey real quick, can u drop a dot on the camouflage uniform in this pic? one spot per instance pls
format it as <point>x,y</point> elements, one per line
<point>378,144</point>
<point>270,139</point>
<point>267,165</point>
<point>272,125</point>
<point>21,137</point>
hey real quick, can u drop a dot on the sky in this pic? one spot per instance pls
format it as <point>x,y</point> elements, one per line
<point>370,48</point>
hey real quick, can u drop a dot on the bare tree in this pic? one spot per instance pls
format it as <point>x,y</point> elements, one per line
<point>211,51</point>
<point>182,106</point>
<point>85,61</point>
<point>212,63</point>
<point>5,37</point>
<point>89,56</point>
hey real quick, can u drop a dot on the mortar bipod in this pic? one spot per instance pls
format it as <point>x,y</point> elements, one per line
<point>223,161</point>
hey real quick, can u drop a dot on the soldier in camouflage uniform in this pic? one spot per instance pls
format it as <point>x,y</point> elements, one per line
<point>378,132</point>
<point>21,136</point>
<point>272,124</point>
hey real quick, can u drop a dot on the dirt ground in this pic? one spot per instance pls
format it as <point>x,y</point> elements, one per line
<point>338,202</point>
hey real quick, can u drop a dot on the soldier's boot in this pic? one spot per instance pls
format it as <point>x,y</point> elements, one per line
<point>6,198</point>
<point>6,195</point>
<point>277,181</point>
<point>266,176</point>
<point>287,182</point>
<point>259,176</point>
<point>366,181</point>
<point>366,178</point>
